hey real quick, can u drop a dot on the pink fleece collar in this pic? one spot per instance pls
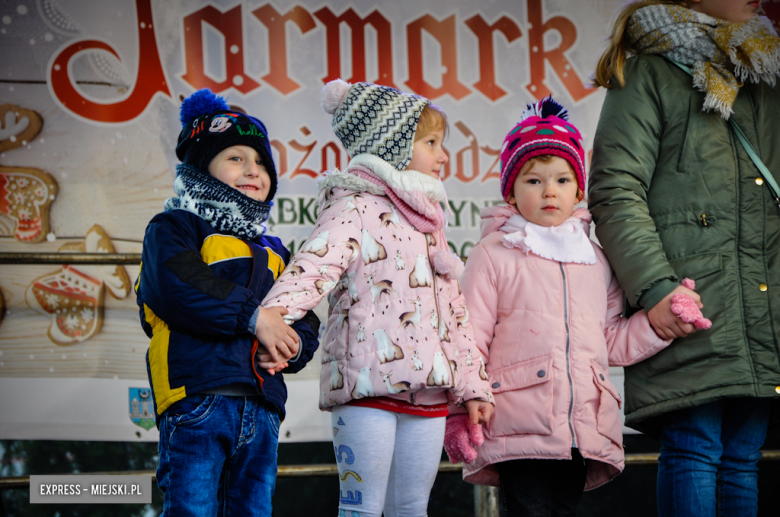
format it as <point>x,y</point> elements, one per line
<point>425,215</point>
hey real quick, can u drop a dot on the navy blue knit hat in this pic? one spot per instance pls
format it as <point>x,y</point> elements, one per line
<point>209,127</point>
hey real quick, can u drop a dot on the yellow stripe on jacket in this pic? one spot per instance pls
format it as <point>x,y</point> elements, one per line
<point>158,363</point>
<point>218,248</point>
<point>275,263</point>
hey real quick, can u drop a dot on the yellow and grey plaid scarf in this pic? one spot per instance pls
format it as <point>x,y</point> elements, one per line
<point>721,54</point>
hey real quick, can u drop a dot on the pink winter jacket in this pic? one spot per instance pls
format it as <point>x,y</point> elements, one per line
<point>396,328</point>
<point>548,332</point>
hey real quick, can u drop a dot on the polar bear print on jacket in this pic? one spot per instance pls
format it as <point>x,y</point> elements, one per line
<point>421,274</point>
<point>372,250</point>
<point>318,245</point>
<point>390,218</point>
<point>439,375</point>
<point>324,286</point>
<point>386,351</point>
<point>354,296</point>
<point>353,247</point>
<point>336,379</point>
<point>363,387</point>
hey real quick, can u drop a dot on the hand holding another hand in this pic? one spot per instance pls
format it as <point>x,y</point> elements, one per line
<point>666,323</point>
<point>279,339</point>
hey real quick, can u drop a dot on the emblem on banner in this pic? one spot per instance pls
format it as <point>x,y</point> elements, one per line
<point>141,407</point>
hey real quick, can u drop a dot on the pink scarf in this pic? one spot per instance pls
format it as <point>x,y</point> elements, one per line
<point>425,215</point>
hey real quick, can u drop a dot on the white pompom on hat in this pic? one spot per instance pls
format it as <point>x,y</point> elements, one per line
<point>332,94</point>
<point>374,119</point>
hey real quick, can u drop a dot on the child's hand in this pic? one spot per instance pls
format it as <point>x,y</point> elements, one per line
<point>279,339</point>
<point>479,412</point>
<point>460,438</point>
<point>263,361</point>
<point>665,323</point>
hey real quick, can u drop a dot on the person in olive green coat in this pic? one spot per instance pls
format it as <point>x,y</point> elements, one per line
<point>675,195</point>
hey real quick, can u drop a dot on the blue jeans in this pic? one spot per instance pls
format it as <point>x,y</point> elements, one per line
<point>218,457</point>
<point>707,466</point>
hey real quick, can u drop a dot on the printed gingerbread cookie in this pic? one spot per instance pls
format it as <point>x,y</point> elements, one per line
<point>26,195</point>
<point>18,126</point>
<point>74,295</point>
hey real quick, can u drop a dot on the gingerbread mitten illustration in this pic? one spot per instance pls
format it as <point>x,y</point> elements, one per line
<point>25,193</point>
<point>75,295</point>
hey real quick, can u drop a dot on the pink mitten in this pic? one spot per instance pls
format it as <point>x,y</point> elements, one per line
<point>685,308</point>
<point>460,437</point>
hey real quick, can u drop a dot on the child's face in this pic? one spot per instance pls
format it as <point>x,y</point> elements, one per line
<point>241,167</point>
<point>428,156</point>
<point>728,10</point>
<point>545,193</point>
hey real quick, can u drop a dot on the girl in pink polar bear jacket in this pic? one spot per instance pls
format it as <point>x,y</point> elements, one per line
<point>397,335</point>
<point>546,312</point>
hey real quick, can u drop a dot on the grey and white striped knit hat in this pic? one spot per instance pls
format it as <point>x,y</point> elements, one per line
<point>374,119</point>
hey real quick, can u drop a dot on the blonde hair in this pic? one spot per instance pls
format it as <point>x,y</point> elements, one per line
<point>611,62</point>
<point>431,119</point>
<point>547,158</point>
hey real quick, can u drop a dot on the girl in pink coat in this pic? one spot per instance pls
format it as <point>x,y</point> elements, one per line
<point>546,313</point>
<point>397,335</point>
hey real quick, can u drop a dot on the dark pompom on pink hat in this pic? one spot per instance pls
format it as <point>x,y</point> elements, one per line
<point>543,130</point>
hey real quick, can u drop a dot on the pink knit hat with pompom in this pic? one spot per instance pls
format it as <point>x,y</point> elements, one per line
<point>544,129</point>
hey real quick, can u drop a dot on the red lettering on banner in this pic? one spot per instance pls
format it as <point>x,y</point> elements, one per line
<point>487,63</point>
<point>150,78</point>
<point>473,148</point>
<point>336,156</point>
<point>556,56</point>
<point>299,169</point>
<point>281,161</point>
<point>444,32</point>
<point>277,42</point>
<point>229,25</point>
<point>357,27</point>
<point>490,174</point>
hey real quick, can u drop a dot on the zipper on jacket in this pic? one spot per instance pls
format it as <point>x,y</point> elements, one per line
<point>433,284</point>
<point>568,360</point>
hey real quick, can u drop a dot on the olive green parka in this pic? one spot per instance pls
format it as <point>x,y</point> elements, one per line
<point>674,195</point>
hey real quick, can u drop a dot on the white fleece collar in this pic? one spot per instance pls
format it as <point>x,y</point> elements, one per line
<point>401,181</point>
<point>567,242</point>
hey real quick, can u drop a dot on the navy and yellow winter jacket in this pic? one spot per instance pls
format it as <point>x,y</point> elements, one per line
<point>197,290</point>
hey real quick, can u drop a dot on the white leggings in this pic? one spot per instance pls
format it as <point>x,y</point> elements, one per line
<point>387,461</point>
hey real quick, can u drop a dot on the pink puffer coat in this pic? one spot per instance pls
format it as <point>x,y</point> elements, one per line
<point>396,327</point>
<point>548,332</point>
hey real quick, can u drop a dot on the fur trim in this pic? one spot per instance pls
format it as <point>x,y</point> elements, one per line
<point>332,94</point>
<point>348,181</point>
<point>401,181</point>
<point>447,264</point>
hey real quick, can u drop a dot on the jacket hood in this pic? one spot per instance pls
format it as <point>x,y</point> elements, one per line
<point>494,217</point>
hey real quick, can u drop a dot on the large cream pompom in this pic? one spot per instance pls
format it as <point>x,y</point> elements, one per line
<point>332,93</point>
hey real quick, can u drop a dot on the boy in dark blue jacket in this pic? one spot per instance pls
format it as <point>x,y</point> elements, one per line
<point>206,267</point>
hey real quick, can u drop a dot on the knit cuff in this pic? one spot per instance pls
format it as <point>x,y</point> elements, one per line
<point>248,312</point>
<point>656,293</point>
<point>252,326</point>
